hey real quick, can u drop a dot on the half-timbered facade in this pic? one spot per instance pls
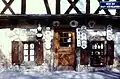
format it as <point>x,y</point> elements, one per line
<point>64,34</point>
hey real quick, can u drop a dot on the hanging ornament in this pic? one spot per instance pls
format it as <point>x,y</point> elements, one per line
<point>56,23</point>
<point>73,23</point>
<point>91,24</point>
<point>109,32</point>
<point>78,37</point>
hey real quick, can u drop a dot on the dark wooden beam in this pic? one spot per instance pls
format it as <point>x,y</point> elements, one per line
<point>99,9</point>
<point>73,6</point>
<point>47,7</point>
<point>57,6</point>
<point>23,7</point>
<point>106,10</point>
<point>87,6</point>
<point>7,6</point>
<point>64,19</point>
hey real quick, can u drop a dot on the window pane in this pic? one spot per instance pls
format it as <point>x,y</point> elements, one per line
<point>102,46</point>
<point>31,58</point>
<point>69,40</point>
<point>31,52</point>
<point>32,46</point>
<point>25,58</point>
<point>25,46</point>
<point>25,52</point>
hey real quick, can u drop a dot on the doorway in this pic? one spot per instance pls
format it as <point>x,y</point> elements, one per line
<point>64,45</point>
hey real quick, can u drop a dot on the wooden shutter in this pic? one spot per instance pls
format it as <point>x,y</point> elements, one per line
<point>85,55</point>
<point>39,52</point>
<point>110,52</point>
<point>21,52</point>
<point>15,56</point>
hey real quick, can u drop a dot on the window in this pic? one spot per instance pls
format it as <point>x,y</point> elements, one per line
<point>29,52</point>
<point>97,53</point>
<point>65,39</point>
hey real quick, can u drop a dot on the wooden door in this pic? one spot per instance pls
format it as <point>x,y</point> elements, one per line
<point>64,44</point>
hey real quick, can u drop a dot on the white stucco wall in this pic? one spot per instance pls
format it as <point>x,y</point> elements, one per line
<point>7,36</point>
<point>18,34</point>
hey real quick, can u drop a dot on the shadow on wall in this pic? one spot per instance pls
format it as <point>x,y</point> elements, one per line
<point>3,60</point>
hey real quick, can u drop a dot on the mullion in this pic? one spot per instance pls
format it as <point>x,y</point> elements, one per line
<point>34,53</point>
<point>28,51</point>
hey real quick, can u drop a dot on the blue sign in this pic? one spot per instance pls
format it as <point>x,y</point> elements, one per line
<point>110,4</point>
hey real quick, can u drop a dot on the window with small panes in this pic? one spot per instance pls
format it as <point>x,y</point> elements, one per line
<point>65,39</point>
<point>29,52</point>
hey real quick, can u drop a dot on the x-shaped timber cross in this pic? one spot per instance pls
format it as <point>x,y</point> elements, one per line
<point>73,5</point>
<point>7,6</point>
<point>99,9</point>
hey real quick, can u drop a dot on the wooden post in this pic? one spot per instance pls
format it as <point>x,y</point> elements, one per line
<point>23,7</point>
<point>57,6</point>
<point>87,6</point>
<point>47,7</point>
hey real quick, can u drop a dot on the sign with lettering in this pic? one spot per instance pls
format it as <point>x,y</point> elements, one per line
<point>110,4</point>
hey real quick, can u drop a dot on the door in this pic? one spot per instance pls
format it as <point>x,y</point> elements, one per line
<point>64,44</point>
